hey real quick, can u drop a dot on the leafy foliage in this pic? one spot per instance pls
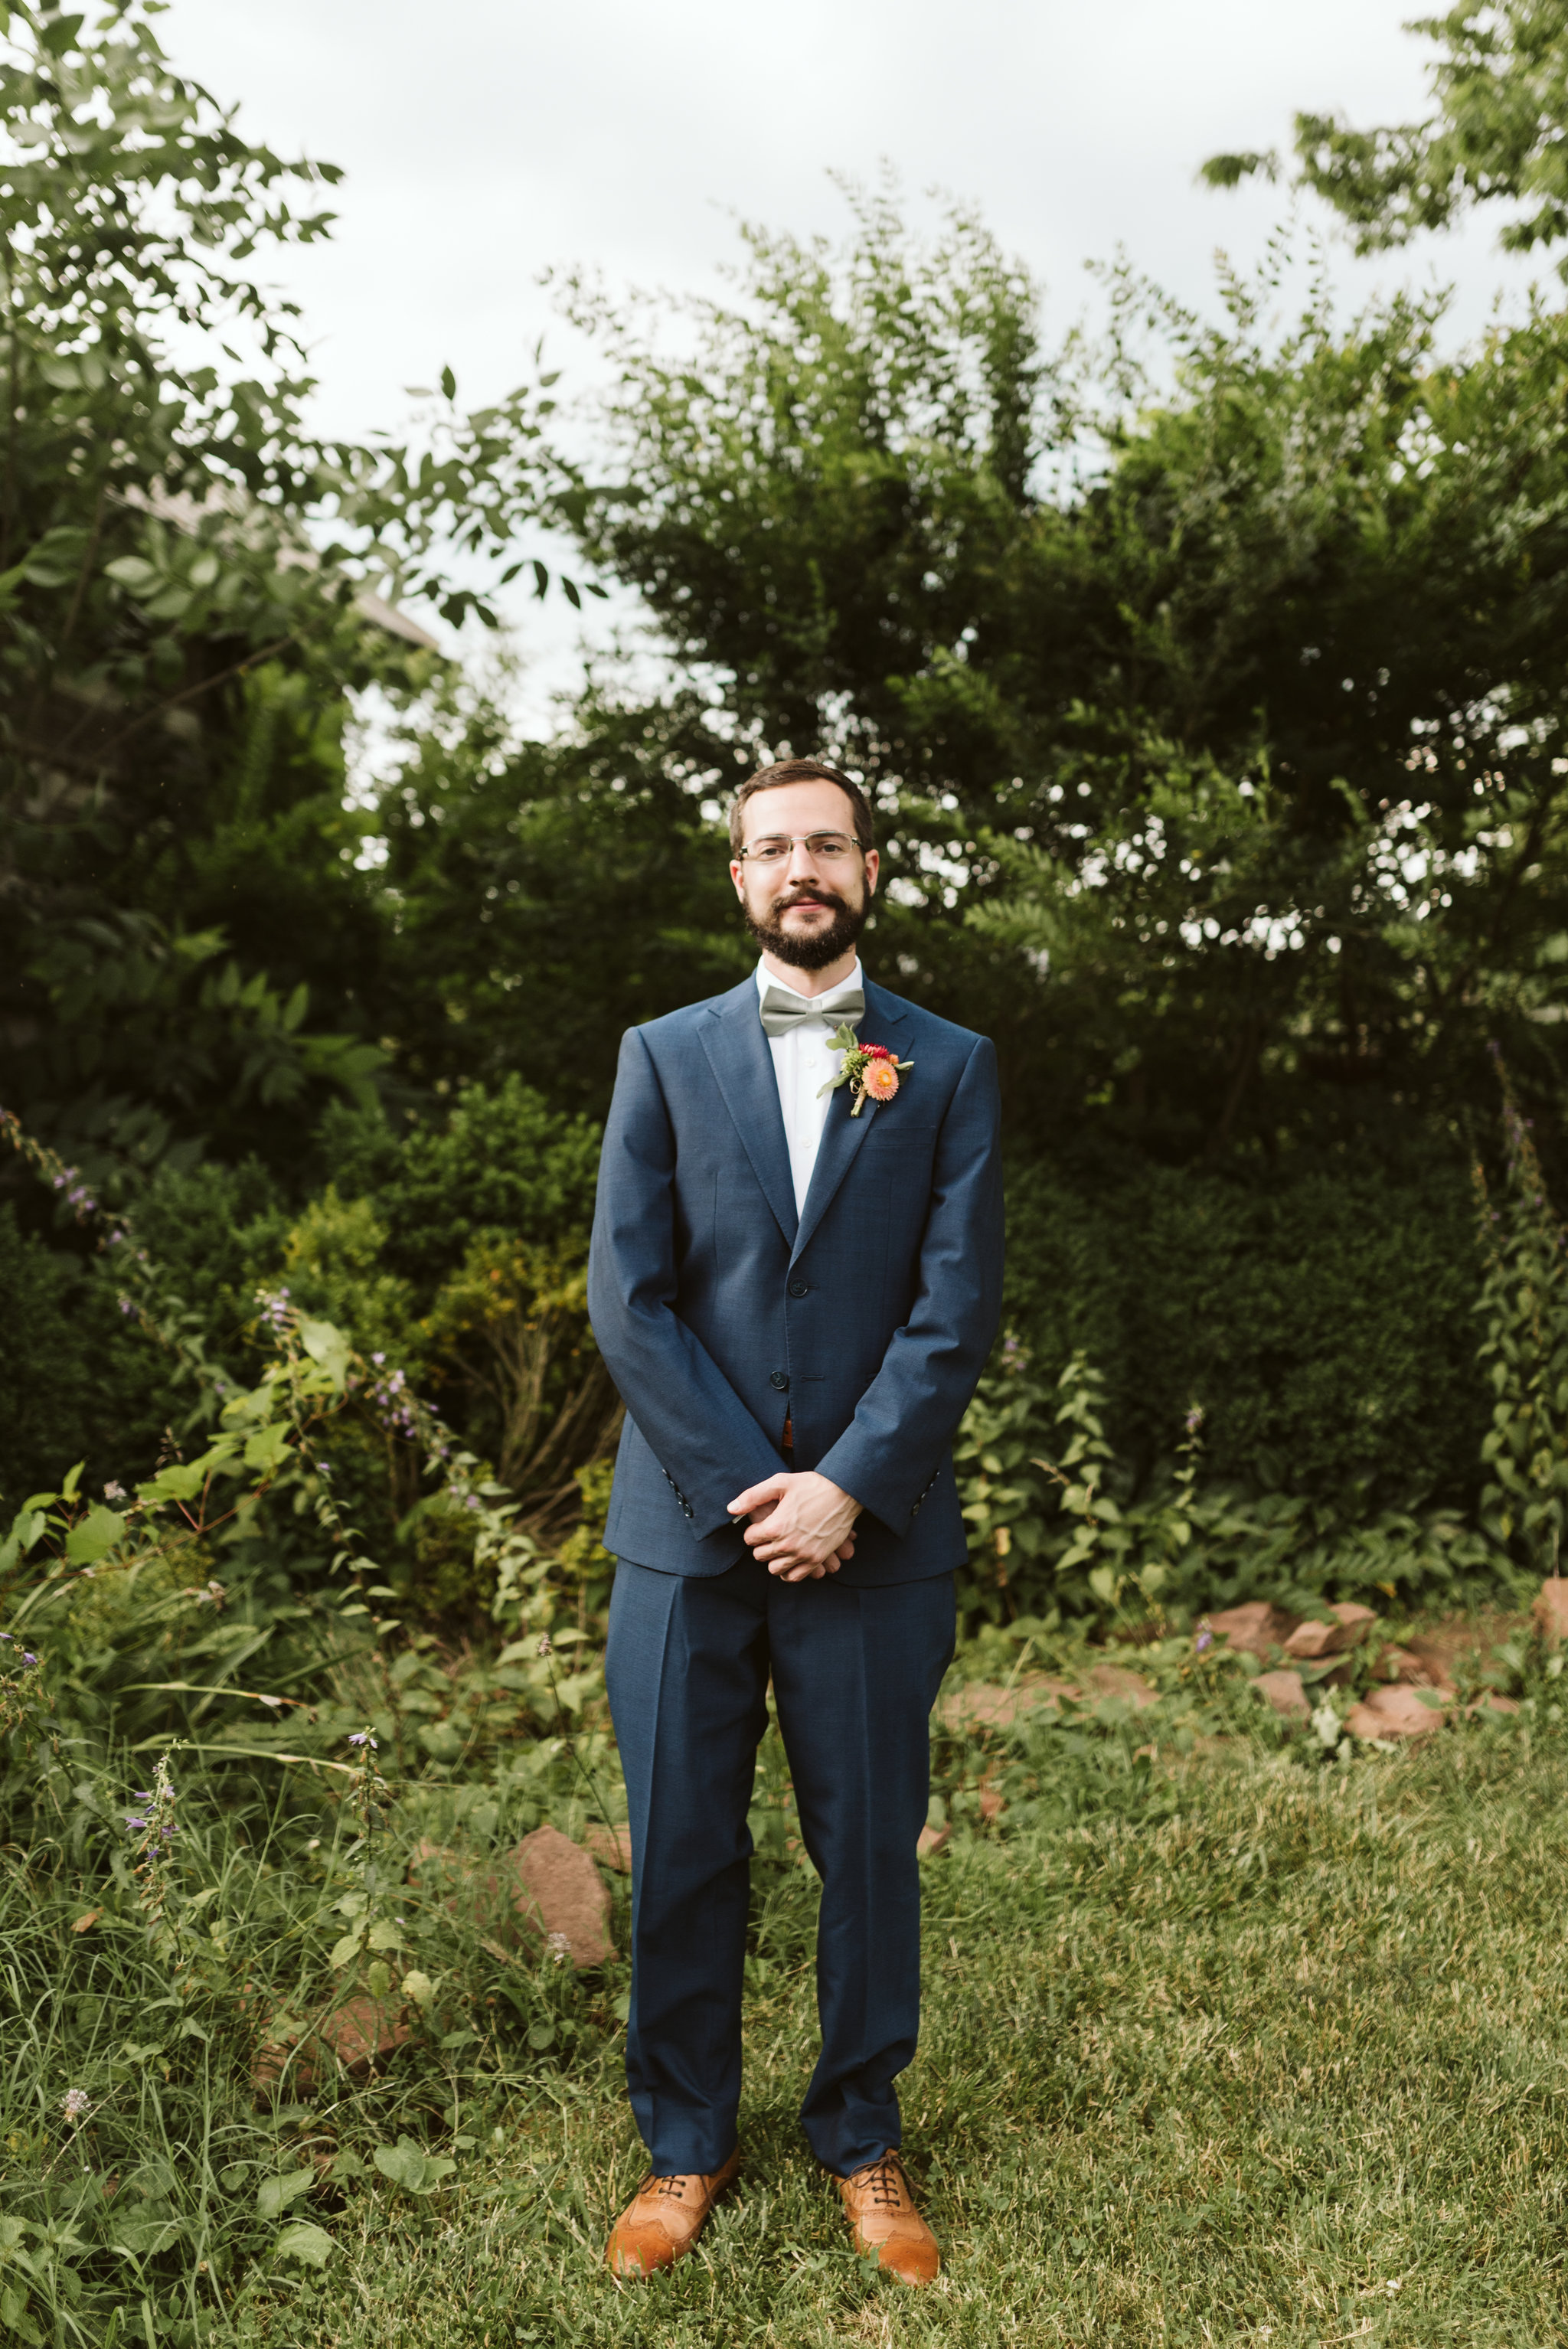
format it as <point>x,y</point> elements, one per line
<point>1524,1304</point>
<point>1500,87</point>
<point>185,599</point>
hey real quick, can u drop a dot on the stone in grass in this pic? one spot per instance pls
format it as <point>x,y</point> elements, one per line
<point>1255,1630</point>
<point>1414,1668</point>
<point>1115,1679</point>
<point>611,1846</point>
<point>1350,1626</point>
<point>1393,1712</point>
<point>982,1705</point>
<point>363,2032</point>
<point>1549,1610</point>
<point>562,1897</point>
<point>1285,1692</point>
<point>548,1887</point>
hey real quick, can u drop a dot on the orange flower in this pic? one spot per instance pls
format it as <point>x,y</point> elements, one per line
<point>880,1079</point>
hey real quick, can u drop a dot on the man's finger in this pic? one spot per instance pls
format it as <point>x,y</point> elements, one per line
<point>755,1496</point>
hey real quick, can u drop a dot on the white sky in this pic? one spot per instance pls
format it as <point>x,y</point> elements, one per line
<point>491,139</point>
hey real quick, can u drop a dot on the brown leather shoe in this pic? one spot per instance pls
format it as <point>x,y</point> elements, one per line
<point>663,2220</point>
<point>883,2220</point>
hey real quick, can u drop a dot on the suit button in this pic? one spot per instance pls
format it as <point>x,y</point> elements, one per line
<point>688,1510</point>
<point>799,1288</point>
<point>779,1379</point>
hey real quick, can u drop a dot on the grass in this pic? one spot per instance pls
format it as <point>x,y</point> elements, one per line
<point>1235,2045</point>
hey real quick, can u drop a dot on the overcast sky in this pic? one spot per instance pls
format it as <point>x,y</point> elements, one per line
<point>486,141</point>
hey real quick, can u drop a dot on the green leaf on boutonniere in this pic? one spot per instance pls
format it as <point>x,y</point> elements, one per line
<point>842,1040</point>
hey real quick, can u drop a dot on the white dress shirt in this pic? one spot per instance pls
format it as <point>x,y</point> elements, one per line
<point>803,1061</point>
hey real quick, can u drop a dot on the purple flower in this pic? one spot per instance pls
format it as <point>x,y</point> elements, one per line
<point>378,1360</point>
<point>1204,1639</point>
<point>27,1658</point>
<point>136,1823</point>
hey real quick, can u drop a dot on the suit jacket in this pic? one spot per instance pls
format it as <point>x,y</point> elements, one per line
<point>867,1321</point>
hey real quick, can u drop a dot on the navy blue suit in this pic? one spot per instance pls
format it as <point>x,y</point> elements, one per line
<point>866,1321</point>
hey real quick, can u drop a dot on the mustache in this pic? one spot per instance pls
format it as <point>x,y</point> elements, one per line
<point>810,897</point>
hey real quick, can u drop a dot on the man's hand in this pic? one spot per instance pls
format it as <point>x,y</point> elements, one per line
<point>802,1524</point>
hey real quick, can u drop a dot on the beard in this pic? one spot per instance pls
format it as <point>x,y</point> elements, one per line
<point>816,949</point>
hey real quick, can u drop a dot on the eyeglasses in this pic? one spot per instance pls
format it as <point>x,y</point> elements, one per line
<point>822,847</point>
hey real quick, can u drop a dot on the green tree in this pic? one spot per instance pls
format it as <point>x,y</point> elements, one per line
<point>1212,707</point>
<point>187,584</point>
<point>1499,87</point>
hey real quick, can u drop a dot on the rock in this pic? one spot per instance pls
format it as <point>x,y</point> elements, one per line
<point>1350,1626</point>
<point>1492,1703</point>
<point>1412,1668</point>
<point>610,1846</point>
<point>1549,1610</point>
<point>1285,1691</point>
<point>360,2033</point>
<point>1116,1681</point>
<point>931,1839</point>
<point>364,2031</point>
<point>1255,1630</point>
<point>559,1891</point>
<point>1393,1712</point>
<point>548,1885</point>
<point>983,1705</point>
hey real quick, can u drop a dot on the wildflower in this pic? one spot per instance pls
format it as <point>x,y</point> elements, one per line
<point>378,1360</point>
<point>74,2104</point>
<point>546,1646</point>
<point>113,1491</point>
<point>362,1737</point>
<point>28,1659</point>
<point>1205,1637</point>
<point>1195,1419</point>
<point>136,1821</point>
<point>558,1945</point>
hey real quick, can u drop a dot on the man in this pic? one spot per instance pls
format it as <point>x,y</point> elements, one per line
<point>795,1284</point>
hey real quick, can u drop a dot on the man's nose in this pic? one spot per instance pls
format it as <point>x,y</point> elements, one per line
<point>803,863</point>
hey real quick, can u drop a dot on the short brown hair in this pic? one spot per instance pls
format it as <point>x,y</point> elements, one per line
<point>801,770</point>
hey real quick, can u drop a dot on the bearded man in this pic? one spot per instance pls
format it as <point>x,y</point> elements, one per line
<point>795,1281</point>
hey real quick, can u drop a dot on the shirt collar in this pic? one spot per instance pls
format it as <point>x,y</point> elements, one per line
<point>766,979</point>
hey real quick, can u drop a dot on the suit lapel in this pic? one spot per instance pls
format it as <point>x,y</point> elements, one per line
<point>738,1053</point>
<point>842,1134</point>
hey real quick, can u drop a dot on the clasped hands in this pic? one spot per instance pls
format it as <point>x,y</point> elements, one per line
<point>802,1524</point>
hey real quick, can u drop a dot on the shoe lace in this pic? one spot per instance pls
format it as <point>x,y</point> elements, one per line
<point>672,2187</point>
<point>883,2179</point>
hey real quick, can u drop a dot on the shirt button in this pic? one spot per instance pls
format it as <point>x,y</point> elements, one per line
<point>799,1288</point>
<point>779,1379</point>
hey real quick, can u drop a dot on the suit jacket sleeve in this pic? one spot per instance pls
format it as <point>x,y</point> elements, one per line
<point>699,1430</point>
<point>909,1413</point>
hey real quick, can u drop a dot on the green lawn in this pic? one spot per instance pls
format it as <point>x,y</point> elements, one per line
<point>1243,2046</point>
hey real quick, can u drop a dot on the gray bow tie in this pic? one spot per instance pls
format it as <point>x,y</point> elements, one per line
<point>782,1012</point>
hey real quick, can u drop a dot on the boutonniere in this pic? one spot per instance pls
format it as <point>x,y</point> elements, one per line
<point>872,1069</point>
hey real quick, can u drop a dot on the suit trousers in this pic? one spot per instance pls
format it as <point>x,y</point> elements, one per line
<point>855,1674</point>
